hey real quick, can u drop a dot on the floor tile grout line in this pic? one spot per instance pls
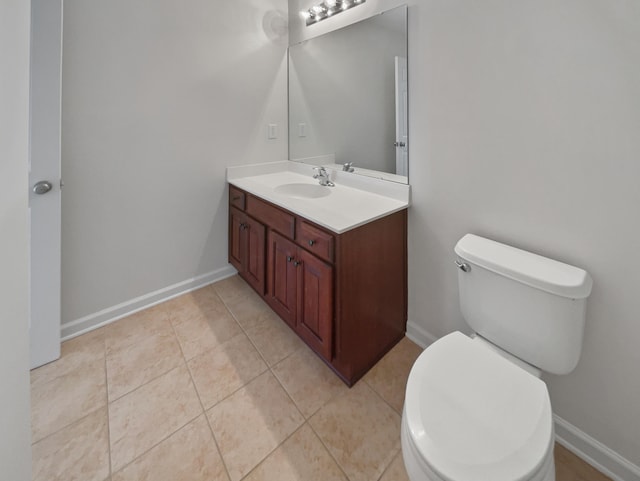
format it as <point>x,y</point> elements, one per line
<point>156,444</point>
<point>204,411</point>
<point>276,447</point>
<point>93,411</point>
<point>244,330</point>
<point>106,388</point>
<point>114,323</point>
<point>251,340</point>
<point>142,385</point>
<point>307,420</point>
<point>147,336</point>
<point>383,398</point>
<point>267,456</point>
<point>175,337</point>
<point>74,420</point>
<point>231,393</point>
<point>342,469</point>
<point>252,344</point>
<point>384,471</point>
<point>69,424</point>
<point>215,442</point>
<point>283,441</point>
<point>322,440</point>
<point>394,411</point>
<point>270,369</point>
<point>155,378</point>
<point>216,348</point>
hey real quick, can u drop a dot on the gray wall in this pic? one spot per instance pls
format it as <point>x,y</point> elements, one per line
<point>525,127</point>
<point>158,98</point>
<point>15,432</point>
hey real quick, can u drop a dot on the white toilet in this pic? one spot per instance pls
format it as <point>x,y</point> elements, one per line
<point>475,407</point>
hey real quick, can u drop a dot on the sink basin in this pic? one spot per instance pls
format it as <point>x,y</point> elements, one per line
<point>303,191</point>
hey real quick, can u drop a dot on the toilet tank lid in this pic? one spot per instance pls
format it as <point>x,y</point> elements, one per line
<point>531,269</point>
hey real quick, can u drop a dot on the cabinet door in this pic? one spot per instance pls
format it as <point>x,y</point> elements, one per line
<point>236,239</point>
<point>281,277</point>
<point>315,302</point>
<point>254,265</point>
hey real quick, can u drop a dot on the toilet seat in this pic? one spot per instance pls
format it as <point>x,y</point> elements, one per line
<point>470,414</point>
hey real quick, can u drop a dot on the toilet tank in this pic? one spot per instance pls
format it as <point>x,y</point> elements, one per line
<point>528,305</point>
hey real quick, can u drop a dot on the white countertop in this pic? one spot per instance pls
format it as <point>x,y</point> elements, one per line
<point>353,201</point>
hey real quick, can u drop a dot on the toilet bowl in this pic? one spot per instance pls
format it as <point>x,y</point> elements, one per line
<point>475,407</point>
<point>470,415</point>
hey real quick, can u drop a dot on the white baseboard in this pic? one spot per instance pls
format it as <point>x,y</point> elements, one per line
<point>419,335</point>
<point>594,452</point>
<point>578,442</point>
<point>106,316</point>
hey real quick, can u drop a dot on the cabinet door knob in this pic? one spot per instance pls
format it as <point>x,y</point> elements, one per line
<point>312,242</point>
<point>289,258</point>
<point>243,226</point>
<point>296,263</point>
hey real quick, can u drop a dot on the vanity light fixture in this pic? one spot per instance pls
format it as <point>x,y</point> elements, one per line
<point>328,8</point>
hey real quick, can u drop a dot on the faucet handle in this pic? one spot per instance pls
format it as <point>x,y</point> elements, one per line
<point>321,172</point>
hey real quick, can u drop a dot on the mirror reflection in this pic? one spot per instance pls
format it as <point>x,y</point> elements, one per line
<point>348,98</point>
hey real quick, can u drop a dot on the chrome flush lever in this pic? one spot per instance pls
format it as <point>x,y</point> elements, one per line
<point>463,266</point>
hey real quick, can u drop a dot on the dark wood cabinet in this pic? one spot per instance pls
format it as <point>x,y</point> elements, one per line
<point>246,248</point>
<point>315,302</point>
<point>300,290</point>
<point>344,294</point>
<point>282,287</point>
<point>236,239</point>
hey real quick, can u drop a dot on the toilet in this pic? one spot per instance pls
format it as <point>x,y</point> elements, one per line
<point>475,406</point>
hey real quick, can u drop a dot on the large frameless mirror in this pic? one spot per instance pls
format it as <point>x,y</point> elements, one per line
<point>348,98</point>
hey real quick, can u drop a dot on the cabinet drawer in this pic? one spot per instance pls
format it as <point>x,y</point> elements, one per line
<point>315,240</point>
<point>236,197</point>
<point>275,218</point>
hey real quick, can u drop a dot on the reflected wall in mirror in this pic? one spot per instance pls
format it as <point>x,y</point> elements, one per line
<point>348,97</point>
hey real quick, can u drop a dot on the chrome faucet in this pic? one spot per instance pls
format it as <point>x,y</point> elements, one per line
<point>348,167</point>
<point>323,177</point>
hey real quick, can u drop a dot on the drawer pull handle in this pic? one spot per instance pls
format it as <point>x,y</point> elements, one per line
<point>237,197</point>
<point>312,242</point>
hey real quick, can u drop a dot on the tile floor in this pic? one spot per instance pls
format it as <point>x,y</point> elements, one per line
<point>213,386</point>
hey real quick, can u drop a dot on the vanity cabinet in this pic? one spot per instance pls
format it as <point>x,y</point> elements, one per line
<point>282,277</point>
<point>344,294</point>
<point>246,248</point>
<point>300,290</point>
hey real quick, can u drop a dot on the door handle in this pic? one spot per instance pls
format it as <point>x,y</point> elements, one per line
<point>399,144</point>
<point>42,187</point>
